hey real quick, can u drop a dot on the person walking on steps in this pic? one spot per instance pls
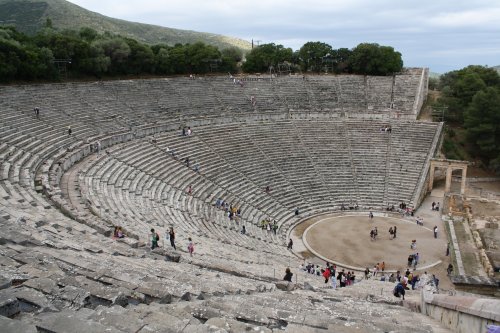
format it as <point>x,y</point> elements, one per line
<point>171,234</point>
<point>154,239</point>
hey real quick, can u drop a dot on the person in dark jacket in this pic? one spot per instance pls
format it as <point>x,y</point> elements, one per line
<point>288,275</point>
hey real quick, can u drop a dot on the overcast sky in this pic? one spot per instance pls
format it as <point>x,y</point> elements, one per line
<point>441,34</point>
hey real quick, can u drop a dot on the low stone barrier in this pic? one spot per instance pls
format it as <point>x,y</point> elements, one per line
<point>462,314</point>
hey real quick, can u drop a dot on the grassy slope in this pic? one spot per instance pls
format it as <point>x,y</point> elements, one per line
<point>30,15</point>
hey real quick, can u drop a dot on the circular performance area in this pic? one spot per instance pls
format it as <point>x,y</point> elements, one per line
<point>346,241</point>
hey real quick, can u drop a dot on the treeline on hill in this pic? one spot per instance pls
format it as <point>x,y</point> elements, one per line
<point>471,97</point>
<point>39,57</point>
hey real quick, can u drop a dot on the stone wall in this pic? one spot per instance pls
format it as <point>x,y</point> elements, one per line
<point>462,314</point>
<point>423,185</point>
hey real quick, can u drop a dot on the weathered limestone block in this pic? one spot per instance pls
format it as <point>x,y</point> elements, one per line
<point>231,325</point>
<point>168,253</point>
<point>285,285</point>
<point>9,306</point>
<point>15,326</point>
<point>70,321</point>
<point>30,300</point>
<point>118,317</point>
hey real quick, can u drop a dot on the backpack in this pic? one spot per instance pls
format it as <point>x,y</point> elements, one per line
<point>157,237</point>
<point>395,292</point>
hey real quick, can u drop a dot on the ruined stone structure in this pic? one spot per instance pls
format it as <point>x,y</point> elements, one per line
<point>450,166</point>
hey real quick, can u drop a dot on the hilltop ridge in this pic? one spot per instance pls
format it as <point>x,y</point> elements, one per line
<point>29,16</point>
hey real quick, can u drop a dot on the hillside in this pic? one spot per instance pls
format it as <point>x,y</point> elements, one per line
<point>29,16</point>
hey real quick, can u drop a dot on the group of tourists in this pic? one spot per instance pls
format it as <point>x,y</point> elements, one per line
<point>378,268</point>
<point>95,147</point>
<point>419,220</point>
<point>170,235</point>
<point>233,212</point>
<point>392,233</point>
<point>186,131</point>
<point>351,206</point>
<point>406,210</point>
<point>386,128</point>
<point>337,278</point>
<point>413,260</point>
<point>118,233</point>
<point>266,224</point>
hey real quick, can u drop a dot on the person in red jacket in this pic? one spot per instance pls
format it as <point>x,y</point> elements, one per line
<point>326,274</point>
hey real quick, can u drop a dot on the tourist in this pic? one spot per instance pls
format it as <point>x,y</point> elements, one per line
<point>297,212</point>
<point>189,190</point>
<point>391,233</point>
<point>243,230</point>
<point>395,229</point>
<point>190,246</point>
<point>119,233</point>
<point>448,249</point>
<point>154,239</point>
<point>433,205</point>
<point>333,270</point>
<point>69,131</point>
<point>288,275</point>
<point>367,273</point>
<point>449,269</point>
<point>342,278</point>
<point>370,216</point>
<point>290,244</point>
<point>171,236</point>
<point>435,230</point>
<point>416,258</point>
<point>37,113</point>
<point>326,274</point>
<point>382,266</point>
<point>392,278</point>
<point>435,280</point>
<point>399,290</point>
<point>375,270</point>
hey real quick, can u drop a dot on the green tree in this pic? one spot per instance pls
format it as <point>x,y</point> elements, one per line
<point>140,59</point>
<point>482,122</point>
<point>373,59</point>
<point>230,59</point>
<point>459,87</point>
<point>341,58</point>
<point>312,55</point>
<point>199,57</point>
<point>266,55</point>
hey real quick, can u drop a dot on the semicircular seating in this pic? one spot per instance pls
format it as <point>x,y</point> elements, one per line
<point>315,141</point>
